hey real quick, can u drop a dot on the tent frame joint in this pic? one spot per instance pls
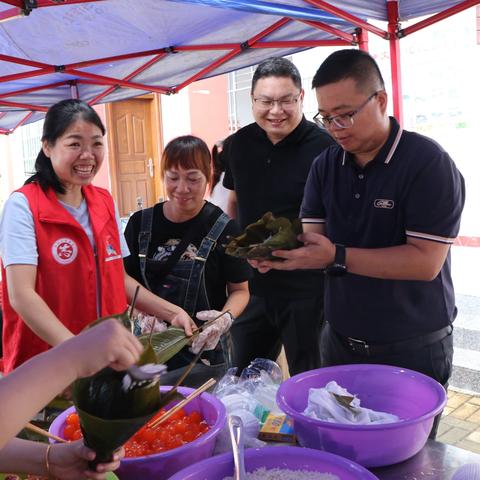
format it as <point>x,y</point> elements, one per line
<point>170,49</point>
<point>244,46</point>
<point>59,68</point>
<point>28,6</point>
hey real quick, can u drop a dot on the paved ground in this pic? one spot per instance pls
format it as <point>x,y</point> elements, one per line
<point>460,423</point>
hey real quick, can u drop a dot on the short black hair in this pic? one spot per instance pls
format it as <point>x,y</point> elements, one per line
<point>277,67</point>
<point>350,63</point>
<point>57,121</point>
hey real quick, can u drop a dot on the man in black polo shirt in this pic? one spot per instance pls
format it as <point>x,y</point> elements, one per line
<point>267,164</point>
<point>380,210</point>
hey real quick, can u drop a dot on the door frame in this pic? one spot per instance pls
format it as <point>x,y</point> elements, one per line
<point>157,144</point>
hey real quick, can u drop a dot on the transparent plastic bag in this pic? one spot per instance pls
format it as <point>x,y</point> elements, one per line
<point>251,396</point>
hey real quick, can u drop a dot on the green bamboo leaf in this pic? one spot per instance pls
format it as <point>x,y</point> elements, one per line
<point>344,401</point>
<point>123,318</point>
<point>166,344</point>
<point>148,355</point>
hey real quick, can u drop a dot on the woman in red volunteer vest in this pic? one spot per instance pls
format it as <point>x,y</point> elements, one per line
<point>62,246</point>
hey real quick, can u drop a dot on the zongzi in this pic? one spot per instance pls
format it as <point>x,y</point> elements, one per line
<point>261,238</point>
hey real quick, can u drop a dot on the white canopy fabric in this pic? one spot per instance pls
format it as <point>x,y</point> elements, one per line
<point>108,50</point>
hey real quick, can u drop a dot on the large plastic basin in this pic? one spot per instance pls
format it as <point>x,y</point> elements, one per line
<point>291,458</point>
<point>412,396</point>
<point>162,465</point>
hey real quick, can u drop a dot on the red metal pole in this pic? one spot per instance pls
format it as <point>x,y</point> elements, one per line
<point>31,89</point>
<point>349,17</point>
<point>439,16</point>
<point>248,44</point>
<point>74,89</point>
<point>302,43</point>
<point>103,80</point>
<point>332,30</point>
<point>24,106</point>
<point>22,121</point>
<point>395,65</point>
<point>362,39</point>
<point>10,14</point>
<point>109,90</point>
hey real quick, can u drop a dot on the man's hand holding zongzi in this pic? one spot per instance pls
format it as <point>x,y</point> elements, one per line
<point>317,252</point>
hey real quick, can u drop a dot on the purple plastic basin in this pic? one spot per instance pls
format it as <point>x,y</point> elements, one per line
<point>412,396</point>
<point>162,465</point>
<point>292,458</point>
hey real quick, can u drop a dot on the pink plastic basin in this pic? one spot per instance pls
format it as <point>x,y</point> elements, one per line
<point>292,458</point>
<point>412,396</point>
<point>162,465</point>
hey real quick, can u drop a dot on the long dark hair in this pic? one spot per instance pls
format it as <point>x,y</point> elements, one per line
<point>58,119</point>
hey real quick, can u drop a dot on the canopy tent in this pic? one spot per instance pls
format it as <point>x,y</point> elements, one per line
<point>107,50</point>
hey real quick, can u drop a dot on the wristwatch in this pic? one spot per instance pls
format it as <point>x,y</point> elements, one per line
<point>338,267</point>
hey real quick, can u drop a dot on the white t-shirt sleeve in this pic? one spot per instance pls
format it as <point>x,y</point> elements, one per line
<point>123,242</point>
<point>18,242</point>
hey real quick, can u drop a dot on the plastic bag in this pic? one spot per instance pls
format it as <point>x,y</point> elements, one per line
<point>250,396</point>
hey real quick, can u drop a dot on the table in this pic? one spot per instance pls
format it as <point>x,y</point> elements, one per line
<point>436,461</point>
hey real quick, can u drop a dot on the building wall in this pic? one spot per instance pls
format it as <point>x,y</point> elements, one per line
<point>209,109</point>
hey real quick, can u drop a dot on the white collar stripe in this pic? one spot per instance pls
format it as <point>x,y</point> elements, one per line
<point>394,146</point>
<point>313,220</point>
<point>427,236</point>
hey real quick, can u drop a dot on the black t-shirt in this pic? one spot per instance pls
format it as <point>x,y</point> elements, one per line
<point>271,177</point>
<point>220,268</point>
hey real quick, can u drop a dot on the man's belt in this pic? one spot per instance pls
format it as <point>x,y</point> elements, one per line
<point>363,347</point>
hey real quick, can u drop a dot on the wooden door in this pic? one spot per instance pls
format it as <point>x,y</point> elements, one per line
<point>132,148</point>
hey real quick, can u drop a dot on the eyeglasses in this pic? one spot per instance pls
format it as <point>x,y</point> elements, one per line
<point>344,120</point>
<point>287,103</point>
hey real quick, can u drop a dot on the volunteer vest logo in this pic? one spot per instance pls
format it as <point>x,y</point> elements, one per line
<point>112,254</point>
<point>383,203</point>
<point>64,251</point>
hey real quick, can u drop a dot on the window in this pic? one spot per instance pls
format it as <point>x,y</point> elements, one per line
<point>31,142</point>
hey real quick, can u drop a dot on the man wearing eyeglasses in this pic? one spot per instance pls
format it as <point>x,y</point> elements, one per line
<point>267,164</point>
<point>380,210</point>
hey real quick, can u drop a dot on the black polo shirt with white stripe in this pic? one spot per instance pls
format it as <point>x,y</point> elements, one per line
<point>411,188</point>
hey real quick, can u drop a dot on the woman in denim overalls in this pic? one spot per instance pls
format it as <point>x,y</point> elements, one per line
<point>176,251</point>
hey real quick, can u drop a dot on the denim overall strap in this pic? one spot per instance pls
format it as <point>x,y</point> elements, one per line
<point>196,277</point>
<point>143,242</point>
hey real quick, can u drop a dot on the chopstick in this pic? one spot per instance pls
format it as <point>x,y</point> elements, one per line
<point>181,404</point>
<point>41,431</point>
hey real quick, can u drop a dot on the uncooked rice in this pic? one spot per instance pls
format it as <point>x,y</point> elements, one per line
<point>284,474</point>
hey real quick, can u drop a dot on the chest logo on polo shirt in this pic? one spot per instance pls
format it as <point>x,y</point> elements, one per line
<point>383,203</point>
<point>64,251</point>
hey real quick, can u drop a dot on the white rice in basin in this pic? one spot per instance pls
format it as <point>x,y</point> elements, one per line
<point>284,474</point>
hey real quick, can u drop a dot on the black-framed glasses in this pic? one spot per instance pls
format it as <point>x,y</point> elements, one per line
<point>287,103</point>
<point>343,120</point>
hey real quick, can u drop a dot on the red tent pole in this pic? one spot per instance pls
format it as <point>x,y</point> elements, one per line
<point>327,7</point>
<point>395,64</point>
<point>362,39</point>
<point>439,16</point>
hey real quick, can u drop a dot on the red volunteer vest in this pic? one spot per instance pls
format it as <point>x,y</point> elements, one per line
<point>66,270</point>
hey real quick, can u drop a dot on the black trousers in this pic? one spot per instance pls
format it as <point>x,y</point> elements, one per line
<point>434,360</point>
<point>267,323</point>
